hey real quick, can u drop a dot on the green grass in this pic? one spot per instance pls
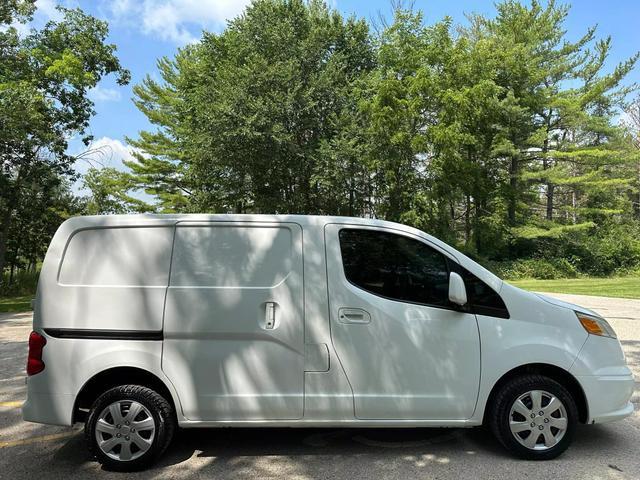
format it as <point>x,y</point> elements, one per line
<point>621,287</point>
<point>15,304</point>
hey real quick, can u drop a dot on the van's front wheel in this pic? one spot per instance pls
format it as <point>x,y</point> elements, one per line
<point>534,417</point>
<point>129,427</point>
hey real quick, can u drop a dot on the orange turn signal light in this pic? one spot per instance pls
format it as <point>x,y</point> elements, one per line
<point>596,325</point>
<point>591,325</point>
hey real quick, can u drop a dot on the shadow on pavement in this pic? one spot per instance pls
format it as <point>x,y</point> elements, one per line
<point>441,445</point>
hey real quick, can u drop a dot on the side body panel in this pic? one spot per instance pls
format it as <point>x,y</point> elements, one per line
<point>327,394</point>
<point>537,332</point>
<point>107,277</point>
<point>224,360</point>
<point>83,289</point>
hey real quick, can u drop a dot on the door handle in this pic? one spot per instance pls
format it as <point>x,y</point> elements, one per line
<point>353,315</point>
<point>270,315</point>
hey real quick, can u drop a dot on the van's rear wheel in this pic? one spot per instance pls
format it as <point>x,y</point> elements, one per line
<point>129,427</point>
<point>534,417</point>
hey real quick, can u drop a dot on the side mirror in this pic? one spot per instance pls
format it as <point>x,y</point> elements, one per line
<point>457,290</point>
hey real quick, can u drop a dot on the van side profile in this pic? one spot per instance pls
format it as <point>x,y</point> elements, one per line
<point>146,323</point>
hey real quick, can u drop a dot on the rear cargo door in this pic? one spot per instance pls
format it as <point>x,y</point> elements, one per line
<point>233,322</point>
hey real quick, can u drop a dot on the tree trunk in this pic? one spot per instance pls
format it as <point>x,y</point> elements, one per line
<point>513,194</point>
<point>12,200</point>
<point>545,166</point>
<point>550,190</point>
<point>352,193</point>
<point>467,221</point>
<point>476,222</point>
<point>4,233</point>
<point>636,206</point>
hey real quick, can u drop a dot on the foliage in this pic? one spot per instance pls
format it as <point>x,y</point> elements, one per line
<point>540,268</point>
<point>248,119</point>
<point>621,287</point>
<point>610,249</point>
<point>20,10</point>
<point>23,283</point>
<point>501,136</point>
<point>15,304</point>
<point>632,130</point>
<point>108,189</point>
<point>45,76</point>
<point>45,204</point>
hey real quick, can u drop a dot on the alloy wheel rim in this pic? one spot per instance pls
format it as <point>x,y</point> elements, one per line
<point>125,430</point>
<point>538,420</point>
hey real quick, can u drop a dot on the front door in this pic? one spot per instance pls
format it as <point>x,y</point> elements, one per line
<point>407,352</point>
<point>234,322</point>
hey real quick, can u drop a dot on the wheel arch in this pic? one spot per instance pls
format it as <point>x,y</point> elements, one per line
<point>113,377</point>
<point>554,372</point>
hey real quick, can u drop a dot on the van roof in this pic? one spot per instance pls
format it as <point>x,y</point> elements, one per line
<point>107,220</point>
<point>148,219</point>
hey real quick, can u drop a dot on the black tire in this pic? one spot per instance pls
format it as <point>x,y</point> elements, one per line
<point>500,413</point>
<point>161,412</point>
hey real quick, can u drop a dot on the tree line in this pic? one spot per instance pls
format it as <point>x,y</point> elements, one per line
<point>45,76</point>
<point>500,135</point>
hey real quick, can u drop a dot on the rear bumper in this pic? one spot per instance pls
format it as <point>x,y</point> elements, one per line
<point>608,397</point>
<point>52,409</point>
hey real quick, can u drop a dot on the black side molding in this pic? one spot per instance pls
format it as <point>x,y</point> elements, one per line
<point>91,334</point>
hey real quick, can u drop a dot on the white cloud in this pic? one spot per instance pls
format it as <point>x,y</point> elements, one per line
<point>624,118</point>
<point>47,9</point>
<point>176,20</point>
<point>120,7</point>
<point>99,94</point>
<point>105,152</point>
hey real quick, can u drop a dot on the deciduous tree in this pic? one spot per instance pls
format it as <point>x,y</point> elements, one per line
<point>45,77</point>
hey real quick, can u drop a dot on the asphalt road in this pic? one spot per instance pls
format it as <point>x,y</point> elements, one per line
<point>609,451</point>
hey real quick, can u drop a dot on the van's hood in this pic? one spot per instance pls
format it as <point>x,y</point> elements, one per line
<point>563,304</point>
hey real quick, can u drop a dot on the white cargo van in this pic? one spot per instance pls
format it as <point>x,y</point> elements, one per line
<point>146,323</point>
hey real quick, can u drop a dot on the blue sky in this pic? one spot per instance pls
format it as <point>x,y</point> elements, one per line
<point>145,30</point>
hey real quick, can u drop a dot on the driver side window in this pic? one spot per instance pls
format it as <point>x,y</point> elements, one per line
<point>394,266</point>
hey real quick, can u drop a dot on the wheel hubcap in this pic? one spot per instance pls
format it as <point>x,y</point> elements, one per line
<point>125,430</point>
<point>538,420</point>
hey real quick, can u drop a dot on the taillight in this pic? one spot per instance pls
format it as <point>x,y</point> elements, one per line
<point>34,360</point>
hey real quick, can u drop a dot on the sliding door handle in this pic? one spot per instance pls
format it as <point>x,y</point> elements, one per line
<point>270,315</point>
<point>353,315</point>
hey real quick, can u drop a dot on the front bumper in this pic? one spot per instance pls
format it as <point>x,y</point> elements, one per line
<point>608,396</point>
